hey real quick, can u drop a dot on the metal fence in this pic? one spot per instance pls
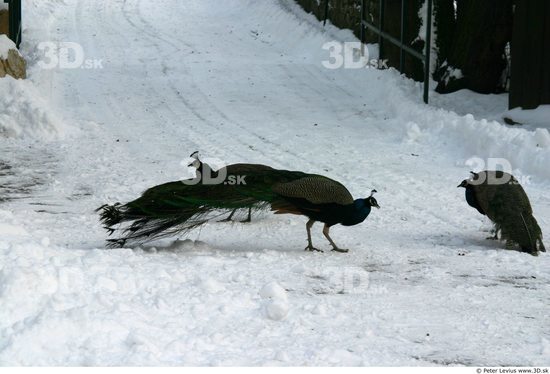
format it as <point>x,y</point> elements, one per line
<point>14,20</point>
<point>382,35</point>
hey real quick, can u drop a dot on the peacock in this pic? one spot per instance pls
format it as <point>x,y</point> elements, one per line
<point>499,196</point>
<point>180,206</point>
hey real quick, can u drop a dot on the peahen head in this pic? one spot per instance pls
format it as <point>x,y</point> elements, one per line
<point>466,182</point>
<point>371,201</point>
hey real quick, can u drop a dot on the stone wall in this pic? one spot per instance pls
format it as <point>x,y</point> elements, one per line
<point>11,61</point>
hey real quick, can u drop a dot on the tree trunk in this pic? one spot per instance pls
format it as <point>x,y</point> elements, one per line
<point>445,24</point>
<point>483,29</point>
<point>530,79</point>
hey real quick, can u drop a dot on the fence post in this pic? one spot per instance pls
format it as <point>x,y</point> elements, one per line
<point>402,38</point>
<point>381,27</point>
<point>326,12</point>
<point>428,51</point>
<point>362,28</point>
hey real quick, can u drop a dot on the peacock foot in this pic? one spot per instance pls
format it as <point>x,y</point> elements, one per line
<point>248,220</point>
<point>510,244</point>
<point>341,250</point>
<point>495,236</point>
<point>312,249</point>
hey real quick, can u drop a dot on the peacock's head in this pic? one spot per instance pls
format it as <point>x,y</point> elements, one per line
<point>371,201</point>
<point>464,183</point>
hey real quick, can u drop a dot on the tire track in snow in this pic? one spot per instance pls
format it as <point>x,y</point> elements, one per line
<point>161,35</point>
<point>204,136</point>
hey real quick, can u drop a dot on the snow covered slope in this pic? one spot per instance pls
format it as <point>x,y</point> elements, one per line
<point>243,81</point>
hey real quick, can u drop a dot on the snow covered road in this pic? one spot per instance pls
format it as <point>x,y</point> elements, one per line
<point>242,81</point>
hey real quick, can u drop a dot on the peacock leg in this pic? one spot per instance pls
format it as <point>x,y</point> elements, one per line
<point>334,246</point>
<point>249,218</point>
<point>510,244</point>
<point>494,237</point>
<point>230,216</point>
<point>310,246</point>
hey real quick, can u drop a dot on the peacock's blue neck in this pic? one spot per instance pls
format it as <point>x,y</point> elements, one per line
<point>359,212</point>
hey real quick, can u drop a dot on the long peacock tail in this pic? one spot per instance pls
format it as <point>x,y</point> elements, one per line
<point>177,207</point>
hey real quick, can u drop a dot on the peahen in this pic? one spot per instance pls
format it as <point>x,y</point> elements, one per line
<point>177,207</point>
<point>499,196</point>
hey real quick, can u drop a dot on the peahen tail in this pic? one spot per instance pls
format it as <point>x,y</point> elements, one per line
<point>526,232</point>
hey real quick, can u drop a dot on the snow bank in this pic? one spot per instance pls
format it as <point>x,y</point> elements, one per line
<point>526,149</point>
<point>539,117</point>
<point>23,112</point>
